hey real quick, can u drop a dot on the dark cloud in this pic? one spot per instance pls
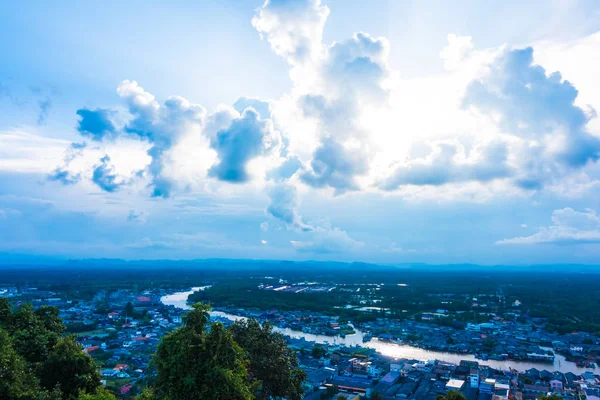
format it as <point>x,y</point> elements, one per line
<point>246,138</point>
<point>441,167</point>
<point>64,176</point>
<point>96,124</point>
<point>105,177</point>
<point>335,166</point>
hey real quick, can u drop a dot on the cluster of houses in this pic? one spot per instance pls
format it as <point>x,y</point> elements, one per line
<point>121,330</point>
<point>498,339</point>
<point>360,375</point>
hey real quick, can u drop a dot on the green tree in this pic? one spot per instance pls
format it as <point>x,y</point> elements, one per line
<point>376,396</point>
<point>550,397</point>
<point>15,381</point>
<point>69,368</point>
<point>331,391</point>
<point>99,394</point>
<point>193,364</point>
<point>147,394</point>
<point>5,311</point>
<point>451,395</point>
<point>129,311</point>
<point>318,351</point>
<point>272,363</point>
<point>34,333</point>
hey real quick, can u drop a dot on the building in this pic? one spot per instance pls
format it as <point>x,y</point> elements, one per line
<point>474,378</point>
<point>454,384</point>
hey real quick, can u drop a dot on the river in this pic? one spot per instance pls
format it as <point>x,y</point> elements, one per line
<point>179,300</point>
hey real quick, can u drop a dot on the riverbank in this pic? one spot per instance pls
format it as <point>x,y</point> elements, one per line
<point>179,300</point>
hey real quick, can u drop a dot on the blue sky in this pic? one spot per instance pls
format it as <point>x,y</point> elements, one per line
<point>376,131</point>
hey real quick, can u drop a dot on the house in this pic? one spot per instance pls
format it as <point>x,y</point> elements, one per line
<point>125,389</point>
<point>540,389</point>
<point>454,384</point>
<point>533,374</point>
<point>390,378</point>
<point>319,377</point>
<point>91,349</point>
<point>395,367</point>
<point>556,386</point>
<point>121,367</point>
<point>109,372</point>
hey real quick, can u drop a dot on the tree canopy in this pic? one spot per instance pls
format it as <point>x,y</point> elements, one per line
<point>70,369</point>
<point>15,381</point>
<point>451,395</point>
<point>273,366</point>
<point>36,363</point>
<point>192,363</point>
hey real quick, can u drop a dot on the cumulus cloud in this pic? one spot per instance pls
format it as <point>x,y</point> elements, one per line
<point>568,226</point>
<point>538,108</point>
<point>336,166</point>
<point>162,125</point>
<point>224,143</point>
<point>325,240</point>
<point>293,28</point>
<point>284,207</point>
<point>247,137</point>
<point>351,77</point>
<point>448,163</point>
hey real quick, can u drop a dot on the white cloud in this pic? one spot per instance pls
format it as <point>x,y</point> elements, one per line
<point>24,150</point>
<point>293,28</point>
<point>568,226</point>
<point>324,240</point>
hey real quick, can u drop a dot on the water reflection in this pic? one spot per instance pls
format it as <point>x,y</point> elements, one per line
<point>179,300</point>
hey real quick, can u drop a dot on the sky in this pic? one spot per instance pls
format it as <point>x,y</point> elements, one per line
<point>348,130</point>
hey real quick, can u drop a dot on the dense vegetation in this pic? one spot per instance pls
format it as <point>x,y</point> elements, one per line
<point>246,361</point>
<point>566,299</point>
<point>36,362</point>
<point>197,361</point>
<point>565,295</point>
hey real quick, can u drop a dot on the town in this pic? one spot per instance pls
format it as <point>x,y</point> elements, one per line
<point>120,329</point>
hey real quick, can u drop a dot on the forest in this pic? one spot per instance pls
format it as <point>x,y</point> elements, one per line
<point>565,295</point>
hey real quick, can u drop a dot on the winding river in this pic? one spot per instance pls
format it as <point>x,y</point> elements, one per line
<point>179,300</point>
